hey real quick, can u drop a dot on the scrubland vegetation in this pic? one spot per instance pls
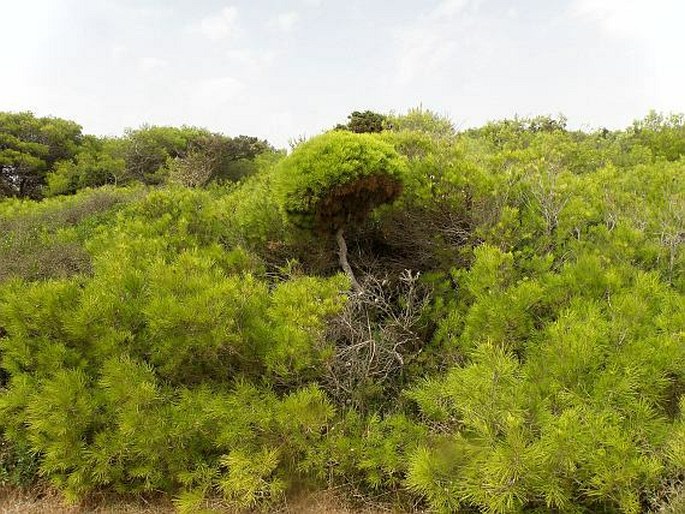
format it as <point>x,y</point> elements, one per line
<point>490,320</point>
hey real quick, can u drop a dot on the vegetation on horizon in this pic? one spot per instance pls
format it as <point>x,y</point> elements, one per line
<point>173,318</point>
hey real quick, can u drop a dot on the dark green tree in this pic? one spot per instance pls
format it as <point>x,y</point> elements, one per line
<point>364,122</point>
<point>215,157</point>
<point>148,149</point>
<point>99,161</point>
<point>29,148</point>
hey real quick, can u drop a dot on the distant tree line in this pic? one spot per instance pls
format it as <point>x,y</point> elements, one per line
<point>46,156</point>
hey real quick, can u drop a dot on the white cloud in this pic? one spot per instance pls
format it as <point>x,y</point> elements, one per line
<point>221,25</point>
<point>250,61</point>
<point>151,63</point>
<point>657,19</point>
<point>655,26</point>
<point>422,52</point>
<point>285,21</point>
<point>218,90</point>
<point>448,9</point>
<point>432,41</point>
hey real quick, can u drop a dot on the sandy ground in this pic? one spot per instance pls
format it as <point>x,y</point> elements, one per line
<point>13,501</point>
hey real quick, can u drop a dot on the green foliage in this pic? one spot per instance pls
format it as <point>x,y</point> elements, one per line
<point>338,177</point>
<point>590,404</point>
<point>297,315</point>
<point>50,156</point>
<point>188,155</point>
<point>46,240</point>
<point>170,321</point>
<point>364,122</point>
<point>147,150</point>
<point>191,341</point>
<point>18,465</point>
<point>422,120</point>
<point>97,163</point>
<point>663,135</point>
<point>29,147</point>
<point>215,157</point>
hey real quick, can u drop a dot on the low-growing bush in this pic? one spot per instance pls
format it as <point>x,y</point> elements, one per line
<point>515,342</point>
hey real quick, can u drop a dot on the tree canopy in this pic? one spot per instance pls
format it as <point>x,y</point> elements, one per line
<point>364,122</point>
<point>30,147</point>
<point>50,156</point>
<point>337,178</point>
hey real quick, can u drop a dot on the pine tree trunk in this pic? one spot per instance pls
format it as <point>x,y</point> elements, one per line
<point>342,255</point>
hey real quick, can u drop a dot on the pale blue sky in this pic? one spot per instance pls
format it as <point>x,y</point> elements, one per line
<point>281,69</point>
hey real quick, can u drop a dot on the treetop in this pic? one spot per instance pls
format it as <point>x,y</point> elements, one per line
<point>338,177</point>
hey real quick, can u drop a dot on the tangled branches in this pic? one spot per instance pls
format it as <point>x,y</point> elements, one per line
<point>374,337</point>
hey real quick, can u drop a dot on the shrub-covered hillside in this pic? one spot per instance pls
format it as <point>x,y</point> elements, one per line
<point>490,320</point>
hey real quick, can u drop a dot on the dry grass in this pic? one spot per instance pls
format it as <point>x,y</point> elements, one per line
<point>675,503</point>
<point>15,501</point>
<point>48,501</point>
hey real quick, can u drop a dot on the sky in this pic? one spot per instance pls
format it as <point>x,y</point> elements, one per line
<point>286,69</point>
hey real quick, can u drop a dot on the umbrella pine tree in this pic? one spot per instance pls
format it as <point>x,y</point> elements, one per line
<point>335,180</point>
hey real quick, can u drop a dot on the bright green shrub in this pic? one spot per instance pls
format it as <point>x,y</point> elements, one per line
<point>204,348</point>
<point>429,226</point>
<point>297,315</point>
<point>663,134</point>
<point>33,318</point>
<point>422,120</point>
<point>337,178</point>
<point>149,355</point>
<point>590,404</point>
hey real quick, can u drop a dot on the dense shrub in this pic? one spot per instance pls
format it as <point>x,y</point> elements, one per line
<point>46,240</point>
<point>516,343</point>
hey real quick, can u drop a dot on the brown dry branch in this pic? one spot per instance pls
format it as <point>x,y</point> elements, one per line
<point>414,236</point>
<point>374,336</point>
<point>344,263</point>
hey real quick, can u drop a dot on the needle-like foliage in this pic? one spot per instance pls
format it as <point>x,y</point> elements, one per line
<point>517,345</point>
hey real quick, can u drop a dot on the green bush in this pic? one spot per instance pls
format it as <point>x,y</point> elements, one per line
<point>337,178</point>
<point>516,343</point>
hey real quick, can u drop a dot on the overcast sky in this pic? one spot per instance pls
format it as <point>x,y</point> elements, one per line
<point>282,69</point>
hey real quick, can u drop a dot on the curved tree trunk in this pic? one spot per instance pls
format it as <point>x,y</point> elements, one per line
<point>342,257</point>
